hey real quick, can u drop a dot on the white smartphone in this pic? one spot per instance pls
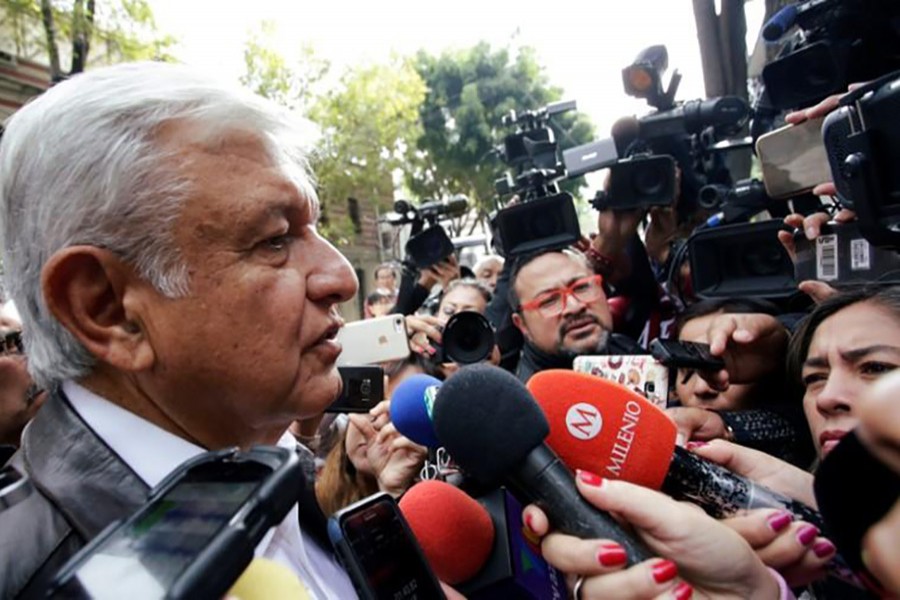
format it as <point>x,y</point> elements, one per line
<point>373,341</point>
<point>793,159</point>
<point>641,373</point>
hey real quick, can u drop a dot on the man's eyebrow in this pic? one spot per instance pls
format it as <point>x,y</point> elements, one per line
<point>559,287</point>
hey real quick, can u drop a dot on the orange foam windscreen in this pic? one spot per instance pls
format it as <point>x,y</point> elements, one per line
<point>455,532</point>
<point>603,427</point>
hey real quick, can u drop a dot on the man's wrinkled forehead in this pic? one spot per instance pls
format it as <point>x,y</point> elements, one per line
<point>182,139</point>
<point>550,271</point>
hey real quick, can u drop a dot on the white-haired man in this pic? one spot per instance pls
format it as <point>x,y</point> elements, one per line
<point>159,236</point>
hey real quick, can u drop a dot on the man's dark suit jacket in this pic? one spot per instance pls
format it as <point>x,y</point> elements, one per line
<point>80,486</point>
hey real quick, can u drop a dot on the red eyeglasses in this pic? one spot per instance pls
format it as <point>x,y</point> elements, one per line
<point>552,302</point>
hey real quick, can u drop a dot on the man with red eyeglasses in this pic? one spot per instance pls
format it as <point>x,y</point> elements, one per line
<point>561,309</point>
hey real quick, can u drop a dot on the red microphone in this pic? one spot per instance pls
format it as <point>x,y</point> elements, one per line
<point>603,427</point>
<point>455,532</point>
<point>481,547</point>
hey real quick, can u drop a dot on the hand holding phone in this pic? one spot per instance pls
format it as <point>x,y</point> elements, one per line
<point>363,388</point>
<point>685,355</point>
<point>377,547</point>
<point>196,533</point>
<point>373,341</point>
<point>793,159</point>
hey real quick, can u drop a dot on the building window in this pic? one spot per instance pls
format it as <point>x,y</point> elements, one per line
<point>353,210</point>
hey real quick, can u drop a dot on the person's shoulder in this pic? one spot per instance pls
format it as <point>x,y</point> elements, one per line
<point>35,541</point>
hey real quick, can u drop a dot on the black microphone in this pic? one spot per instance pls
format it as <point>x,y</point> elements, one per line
<point>491,425</point>
<point>854,490</point>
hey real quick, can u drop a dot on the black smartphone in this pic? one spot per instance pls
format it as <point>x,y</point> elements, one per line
<point>363,388</point>
<point>685,355</point>
<point>380,552</point>
<point>196,533</point>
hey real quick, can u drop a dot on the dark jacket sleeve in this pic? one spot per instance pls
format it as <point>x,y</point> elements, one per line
<point>499,314</point>
<point>641,287</point>
<point>411,295</point>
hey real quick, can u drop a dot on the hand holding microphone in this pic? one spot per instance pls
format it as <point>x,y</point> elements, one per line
<point>600,426</point>
<point>706,556</point>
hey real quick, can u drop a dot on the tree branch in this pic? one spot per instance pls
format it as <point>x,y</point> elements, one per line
<point>50,30</point>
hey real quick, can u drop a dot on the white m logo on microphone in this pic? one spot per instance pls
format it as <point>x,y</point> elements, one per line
<point>583,421</point>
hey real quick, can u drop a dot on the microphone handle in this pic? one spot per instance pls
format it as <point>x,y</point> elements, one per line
<point>545,481</point>
<point>722,494</point>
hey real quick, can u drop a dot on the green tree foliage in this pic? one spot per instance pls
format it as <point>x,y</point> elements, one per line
<point>70,34</point>
<point>269,74</point>
<point>469,91</point>
<point>368,119</point>
<point>370,123</point>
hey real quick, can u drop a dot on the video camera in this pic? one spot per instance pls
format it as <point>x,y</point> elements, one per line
<point>647,149</point>
<point>862,140</point>
<point>544,217</point>
<point>429,245</point>
<point>837,42</point>
<point>740,202</point>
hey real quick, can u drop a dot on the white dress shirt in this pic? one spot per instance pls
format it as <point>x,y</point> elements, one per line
<point>152,453</point>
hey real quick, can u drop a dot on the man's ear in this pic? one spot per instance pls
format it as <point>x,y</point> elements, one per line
<point>91,292</point>
<point>519,322</point>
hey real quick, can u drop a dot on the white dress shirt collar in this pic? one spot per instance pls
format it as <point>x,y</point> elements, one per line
<point>120,428</point>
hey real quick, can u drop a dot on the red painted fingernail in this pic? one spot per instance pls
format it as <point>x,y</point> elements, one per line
<point>780,520</point>
<point>528,520</point>
<point>807,534</point>
<point>692,445</point>
<point>823,548</point>
<point>589,478</point>
<point>664,570</point>
<point>682,591</point>
<point>611,555</point>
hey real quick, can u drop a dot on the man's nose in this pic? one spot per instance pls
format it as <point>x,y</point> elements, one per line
<point>332,277</point>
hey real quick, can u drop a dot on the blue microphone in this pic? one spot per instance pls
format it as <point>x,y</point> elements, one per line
<point>779,24</point>
<point>411,405</point>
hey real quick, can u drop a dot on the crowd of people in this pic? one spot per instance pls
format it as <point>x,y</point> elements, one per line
<point>174,296</point>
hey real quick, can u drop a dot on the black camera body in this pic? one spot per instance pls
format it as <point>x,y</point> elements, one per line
<point>842,257</point>
<point>740,202</point>
<point>467,338</point>
<point>544,217</point>
<point>640,181</point>
<point>862,140</point>
<point>741,260</point>
<point>838,42</point>
<point>429,243</point>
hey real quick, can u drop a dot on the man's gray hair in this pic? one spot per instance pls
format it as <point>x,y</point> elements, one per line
<point>80,165</point>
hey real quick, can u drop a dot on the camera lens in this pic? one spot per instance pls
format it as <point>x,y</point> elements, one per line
<point>648,180</point>
<point>468,338</point>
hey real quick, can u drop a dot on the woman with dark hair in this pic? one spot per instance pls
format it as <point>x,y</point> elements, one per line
<point>761,413</point>
<point>837,354</point>
<point>846,344</point>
